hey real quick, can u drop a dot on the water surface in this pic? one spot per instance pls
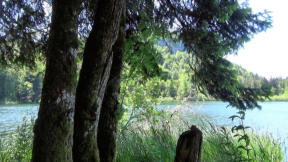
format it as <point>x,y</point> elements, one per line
<point>12,115</point>
<point>272,118</point>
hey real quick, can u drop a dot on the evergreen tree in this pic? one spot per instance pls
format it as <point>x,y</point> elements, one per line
<point>209,30</point>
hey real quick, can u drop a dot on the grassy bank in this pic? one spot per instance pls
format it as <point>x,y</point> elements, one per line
<point>156,142</point>
<point>281,97</point>
<point>175,101</point>
<point>17,146</point>
<point>146,141</point>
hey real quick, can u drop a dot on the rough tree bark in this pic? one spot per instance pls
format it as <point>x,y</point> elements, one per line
<point>97,62</point>
<point>107,127</point>
<point>53,129</point>
<point>189,146</point>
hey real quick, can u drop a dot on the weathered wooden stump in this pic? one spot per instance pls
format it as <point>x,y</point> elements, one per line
<point>189,146</point>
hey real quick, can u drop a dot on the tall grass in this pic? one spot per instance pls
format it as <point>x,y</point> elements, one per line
<point>156,142</point>
<point>220,145</point>
<point>17,146</point>
<point>146,141</point>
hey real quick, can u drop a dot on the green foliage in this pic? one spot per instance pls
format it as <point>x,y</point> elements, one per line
<point>176,79</point>
<point>23,32</point>
<point>156,142</point>
<point>139,101</point>
<point>20,84</point>
<point>147,132</point>
<point>140,53</point>
<point>214,36</point>
<point>278,86</point>
<point>142,145</point>
<point>209,30</point>
<point>262,147</point>
<point>146,141</point>
<point>183,89</point>
<point>23,85</point>
<point>18,145</point>
<point>241,135</point>
<point>281,97</point>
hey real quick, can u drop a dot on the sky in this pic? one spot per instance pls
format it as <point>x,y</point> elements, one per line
<point>267,53</point>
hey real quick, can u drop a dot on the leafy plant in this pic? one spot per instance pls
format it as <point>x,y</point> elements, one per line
<point>17,146</point>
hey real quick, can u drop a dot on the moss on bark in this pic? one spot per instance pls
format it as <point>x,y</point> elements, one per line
<point>107,129</point>
<point>94,75</point>
<point>54,127</point>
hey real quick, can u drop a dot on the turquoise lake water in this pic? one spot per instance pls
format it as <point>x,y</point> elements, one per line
<point>12,115</point>
<point>272,118</point>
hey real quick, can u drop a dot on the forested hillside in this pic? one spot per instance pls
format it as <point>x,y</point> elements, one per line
<point>23,85</point>
<point>278,85</point>
<point>179,84</point>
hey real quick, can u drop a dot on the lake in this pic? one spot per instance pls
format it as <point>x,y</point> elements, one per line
<point>12,115</point>
<point>272,118</point>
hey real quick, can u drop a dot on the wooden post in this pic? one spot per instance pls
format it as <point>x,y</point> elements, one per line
<point>189,146</point>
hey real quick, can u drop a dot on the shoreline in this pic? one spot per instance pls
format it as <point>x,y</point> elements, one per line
<point>177,101</point>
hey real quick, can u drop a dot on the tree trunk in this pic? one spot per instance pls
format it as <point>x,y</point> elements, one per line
<point>94,75</point>
<point>107,128</point>
<point>53,129</point>
<point>189,146</point>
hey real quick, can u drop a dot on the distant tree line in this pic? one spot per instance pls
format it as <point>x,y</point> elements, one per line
<point>20,85</point>
<point>23,85</point>
<point>278,85</point>
<point>175,80</point>
<point>73,112</point>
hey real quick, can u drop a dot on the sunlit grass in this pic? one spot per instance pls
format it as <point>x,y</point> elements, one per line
<point>281,97</point>
<point>17,146</point>
<point>156,142</point>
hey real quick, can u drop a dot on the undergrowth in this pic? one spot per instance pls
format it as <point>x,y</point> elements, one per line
<point>156,142</point>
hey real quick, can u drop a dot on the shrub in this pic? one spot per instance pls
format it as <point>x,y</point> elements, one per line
<point>17,146</point>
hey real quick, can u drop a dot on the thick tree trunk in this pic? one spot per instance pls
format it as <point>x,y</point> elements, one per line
<point>53,129</point>
<point>94,75</point>
<point>107,127</point>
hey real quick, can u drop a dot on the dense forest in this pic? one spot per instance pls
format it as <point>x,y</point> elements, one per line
<point>23,85</point>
